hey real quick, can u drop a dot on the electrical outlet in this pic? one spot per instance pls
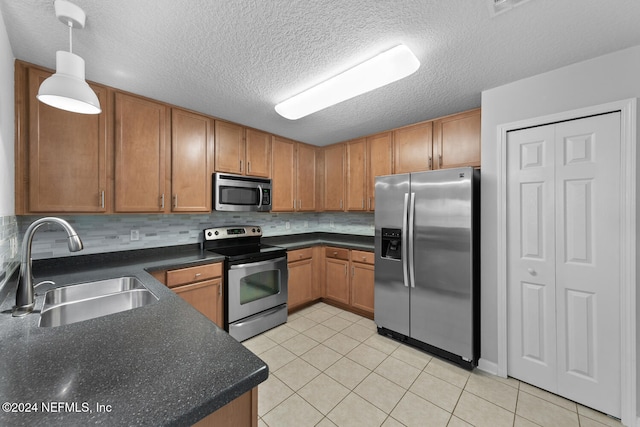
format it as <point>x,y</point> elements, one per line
<point>287,225</point>
<point>135,235</point>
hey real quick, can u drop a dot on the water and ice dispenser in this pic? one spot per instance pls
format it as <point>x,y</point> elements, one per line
<point>392,243</point>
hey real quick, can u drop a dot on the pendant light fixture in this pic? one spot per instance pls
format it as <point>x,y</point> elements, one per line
<point>387,67</point>
<point>67,88</point>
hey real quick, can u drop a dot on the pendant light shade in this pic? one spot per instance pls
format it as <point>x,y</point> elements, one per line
<point>67,89</point>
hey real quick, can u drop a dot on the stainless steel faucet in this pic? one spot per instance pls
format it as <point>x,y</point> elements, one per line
<point>25,299</point>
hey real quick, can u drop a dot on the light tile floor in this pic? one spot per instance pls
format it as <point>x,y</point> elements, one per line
<point>329,367</point>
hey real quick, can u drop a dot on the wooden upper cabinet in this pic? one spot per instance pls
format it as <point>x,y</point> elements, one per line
<point>282,175</point>
<point>191,161</point>
<point>229,147</point>
<point>379,163</point>
<point>334,177</point>
<point>457,140</point>
<point>356,175</point>
<point>258,153</point>
<point>413,148</point>
<point>67,155</point>
<point>305,178</point>
<point>140,155</point>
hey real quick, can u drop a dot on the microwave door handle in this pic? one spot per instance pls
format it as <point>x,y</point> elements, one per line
<point>260,192</point>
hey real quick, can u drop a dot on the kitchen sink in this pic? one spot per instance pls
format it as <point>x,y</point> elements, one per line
<point>76,303</point>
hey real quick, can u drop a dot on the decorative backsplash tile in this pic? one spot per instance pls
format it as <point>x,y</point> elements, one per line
<point>9,253</point>
<point>110,233</point>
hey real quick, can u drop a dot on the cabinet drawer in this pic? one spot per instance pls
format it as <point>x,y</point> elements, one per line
<point>299,254</point>
<point>193,274</point>
<point>362,256</point>
<point>337,253</point>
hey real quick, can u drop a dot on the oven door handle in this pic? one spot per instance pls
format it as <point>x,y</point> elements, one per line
<point>257,264</point>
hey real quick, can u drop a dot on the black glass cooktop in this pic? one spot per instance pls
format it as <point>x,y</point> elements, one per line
<point>244,252</point>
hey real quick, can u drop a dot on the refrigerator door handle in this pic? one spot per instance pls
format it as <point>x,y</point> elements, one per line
<point>412,209</point>
<point>405,263</point>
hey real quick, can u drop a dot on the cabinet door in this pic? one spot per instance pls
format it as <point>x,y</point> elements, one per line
<point>379,163</point>
<point>356,175</point>
<point>229,148</point>
<point>337,280</point>
<point>191,144</point>
<point>457,140</point>
<point>67,155</point>
<point>282,175</point>
<point>206,297</point>
<point>258,153</point>
<point>413,147</point>
<point>300,282</point>
<point>362,282</point>
<point>334,177</point>
<point>305,177</point>
<point>140,155</point>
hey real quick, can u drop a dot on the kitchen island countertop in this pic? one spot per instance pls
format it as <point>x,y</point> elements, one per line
<point>160,364</point>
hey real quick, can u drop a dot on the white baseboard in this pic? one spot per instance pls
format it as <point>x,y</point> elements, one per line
<point>489,367</point>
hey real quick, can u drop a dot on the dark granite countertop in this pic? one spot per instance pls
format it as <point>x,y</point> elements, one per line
<point>297,241</point>
<point>161,364</point>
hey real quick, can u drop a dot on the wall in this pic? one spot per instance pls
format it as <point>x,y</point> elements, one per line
<point>600,80</point>
<point>8,224</point>
<point>109,233</point>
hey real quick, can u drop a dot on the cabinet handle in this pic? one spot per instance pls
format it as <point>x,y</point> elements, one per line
<point>102,199</point>
<point>175,201</point>
<point>440,160</point>
<point>240,165</point>
<point>353,271</point>
<point>430,162</point>
<point>345,270</point>
<point>340,203</point>
<point>198,275</point>
<point>248,166</point>
<point>363,204</point>
<point>220,289</point>
<point>369,203</point>
<point>162,201</point>
<point>335,253</point>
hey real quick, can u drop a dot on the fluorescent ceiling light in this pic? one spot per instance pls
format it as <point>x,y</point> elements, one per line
<point>385,68</point>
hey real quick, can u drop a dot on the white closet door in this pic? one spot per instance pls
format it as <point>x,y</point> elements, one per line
<point>531,239</point>
<point>588,261</point>
<point>564,250</point>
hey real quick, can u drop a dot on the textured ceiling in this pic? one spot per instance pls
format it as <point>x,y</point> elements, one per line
<point>236,59</point>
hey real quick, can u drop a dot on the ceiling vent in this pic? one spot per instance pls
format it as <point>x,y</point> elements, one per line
<point>496,7</point>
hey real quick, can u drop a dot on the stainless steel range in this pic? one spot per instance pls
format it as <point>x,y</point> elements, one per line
<point>255,279</point>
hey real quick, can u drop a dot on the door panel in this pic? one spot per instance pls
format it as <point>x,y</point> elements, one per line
<point>531,274</point>
<point>391,300</point>
<point>587,262</point>
<point>564,251</point>
<point>441,301</point>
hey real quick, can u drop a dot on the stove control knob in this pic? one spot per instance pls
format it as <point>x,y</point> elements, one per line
<point>208,234</point>
<point>217,232</point>
<point>253,230</point>
<point>258,230</point>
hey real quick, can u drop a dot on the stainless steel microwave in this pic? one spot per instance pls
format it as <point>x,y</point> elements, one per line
<point>238,193</point>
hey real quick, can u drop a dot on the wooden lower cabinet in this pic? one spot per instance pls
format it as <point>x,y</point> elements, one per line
<point>362,280</point>
<point>301,277</point>
<point>201,286</point>
<point>349,279</point>
<point>241,412</point>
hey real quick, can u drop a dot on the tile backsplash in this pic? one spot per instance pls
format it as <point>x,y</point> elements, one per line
<point>110,233</point>
<point>9,248</point>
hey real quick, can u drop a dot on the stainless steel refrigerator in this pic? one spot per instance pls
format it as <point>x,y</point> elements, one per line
<point>426,261</point>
